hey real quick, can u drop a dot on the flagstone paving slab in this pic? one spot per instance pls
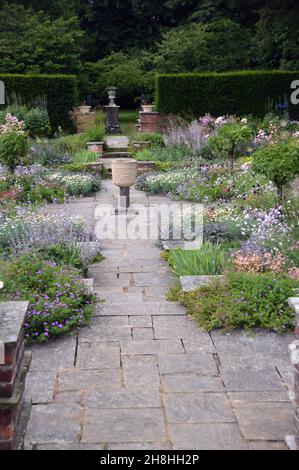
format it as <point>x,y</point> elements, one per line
<point>77,379</point>
<point>136,425</point>
<point>188,383</point>
<point>142,375</point>
<point>41,385</point>
<point>201,363</point>
<point>140,371</point>
<point>198,408</point>
<point>264,421</point>
<point>207,437</point>
<point>123,398</point>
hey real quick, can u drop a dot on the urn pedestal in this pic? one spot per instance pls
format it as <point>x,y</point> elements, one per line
<point>124,173</point>
<point>149,121</point>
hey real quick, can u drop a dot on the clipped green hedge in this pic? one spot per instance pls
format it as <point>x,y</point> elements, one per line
<point>60,92</point>
<point>245,92</point>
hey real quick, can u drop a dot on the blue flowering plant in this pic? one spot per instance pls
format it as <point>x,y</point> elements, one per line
<point>58,301</point>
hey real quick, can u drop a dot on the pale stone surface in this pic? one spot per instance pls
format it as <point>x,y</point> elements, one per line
<point>190,283</point>
<point>76,379</point>
<point>253,380</point>
<point>55,423</point>
<point>140,371</point>
<point>264,421</point>
<point>109,388</point>
<point>198,408</point>
<point>53,355</point>
<point>95,357</point>
<point>201,363</point>
<point>187,383</point>
<point>12,317</point>
<point>207,436</point>
<point>123,398</point>
<point>172,327</point>
<point>117,426</point>
<point>41,385</point>
<point>164,346</point>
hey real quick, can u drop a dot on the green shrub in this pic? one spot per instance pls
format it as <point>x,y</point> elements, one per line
<point>240,93</point>
<point>81,168</point>
<point>85,156</point>
<point>155,139</point>
<point>69,144</point>
<point>208,260</point>
<point>229,139</point>
<point>145,155</point>
<point>13,149</point>
<point>244,301</point>
<point>279,162</point>
<point>47,153</point>
<point>59,91</point>
<point>57,302</point>
<point>37,123</point>
<point>95,133</point>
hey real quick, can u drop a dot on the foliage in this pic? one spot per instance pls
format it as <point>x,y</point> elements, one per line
<point>229,140</point>
<point>13,143</point>
<point>244,301</point>
<point>47,45</point>
<point>241,93</point>
<point>163,182</point>
<point>84,156</point>
<point>48,153</point>
<point>76,185</point>
<point>37,123</point>
<point>59,92</point>
<point>57,302</point>
<point>279,162</point>
<point>81,168</point>
<point>219,46</point>
<point>208,260</point>
<point>155,139</point>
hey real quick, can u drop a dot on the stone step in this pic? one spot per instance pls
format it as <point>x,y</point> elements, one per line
<point>117,154</point>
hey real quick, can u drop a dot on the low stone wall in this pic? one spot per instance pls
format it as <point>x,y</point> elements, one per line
<point>14,365</point>
<point>293,441</point>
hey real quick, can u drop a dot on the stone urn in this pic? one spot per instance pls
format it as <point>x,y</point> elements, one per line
<point>148,108</point>
<point>124,172</point>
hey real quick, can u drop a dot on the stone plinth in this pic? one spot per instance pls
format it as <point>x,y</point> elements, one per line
<point>83,122</point>
<point>112,120</point>
<point>96,147</point>
<point>149,122</point>
<point>293,441</point>
<point>14,365</point>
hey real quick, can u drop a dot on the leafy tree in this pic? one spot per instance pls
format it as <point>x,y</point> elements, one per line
<point>229,139</point>
<point>218,46</point>
<point>33,42</point>
<point>279,162</point>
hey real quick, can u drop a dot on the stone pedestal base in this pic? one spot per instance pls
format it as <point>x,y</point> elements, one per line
<point>149,122</point>
<point>83,122</point>
<point>112,120</point>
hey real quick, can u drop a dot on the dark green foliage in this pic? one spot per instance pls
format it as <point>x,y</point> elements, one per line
<point>59,92</point>
<point>243,301</point>
<point>241,93</point>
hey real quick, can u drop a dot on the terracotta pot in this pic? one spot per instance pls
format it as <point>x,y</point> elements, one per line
<point>124,172</point>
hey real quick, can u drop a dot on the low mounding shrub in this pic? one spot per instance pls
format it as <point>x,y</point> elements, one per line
<point>244,301</point>
<point>240,93</point>
<point>37,123</point>
<point>47,153</point>
<point>13,142</point>
<point>77,185</point>
<point>57,301</point>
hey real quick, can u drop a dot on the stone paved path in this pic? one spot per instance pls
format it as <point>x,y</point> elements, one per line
<point>143,376</point>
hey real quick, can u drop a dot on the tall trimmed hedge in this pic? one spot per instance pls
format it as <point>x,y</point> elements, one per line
<point>60,92</point>
<point>245,92</point>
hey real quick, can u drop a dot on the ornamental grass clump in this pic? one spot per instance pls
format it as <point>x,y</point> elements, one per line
<point>208,260</point>
<point>58,303</point>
